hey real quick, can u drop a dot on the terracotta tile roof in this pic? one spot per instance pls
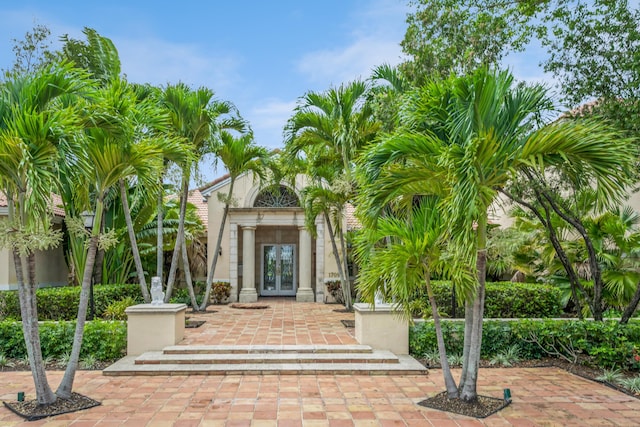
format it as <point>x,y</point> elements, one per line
<point>212,183</point>
<point>350,214</point>
<point>202,209</point>
<point>56,204</point>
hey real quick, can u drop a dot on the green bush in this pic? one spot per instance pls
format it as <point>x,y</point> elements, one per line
<point>62,303</point>
<point>502,300</point>
<point>116,310</point>
<point>607,344</point>
<point>104,340</point>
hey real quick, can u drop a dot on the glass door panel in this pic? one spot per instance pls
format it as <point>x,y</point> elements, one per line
<point>278,270</point>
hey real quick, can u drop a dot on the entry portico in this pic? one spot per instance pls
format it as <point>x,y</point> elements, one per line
<point>266,248</point>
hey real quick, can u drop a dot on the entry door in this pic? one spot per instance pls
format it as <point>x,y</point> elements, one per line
<point>278,270</point>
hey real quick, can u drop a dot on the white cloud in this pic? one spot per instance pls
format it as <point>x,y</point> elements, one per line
<point>375,39</point>
<point>268,119</point>
<point>160,62</point>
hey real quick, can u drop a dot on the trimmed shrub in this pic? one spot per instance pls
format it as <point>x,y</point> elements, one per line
<point>116,310</point>
<point>503,300</point>
<point>104,340</point>
<point>607,344</point>
<point>62,303</point>
<point>220,292</point>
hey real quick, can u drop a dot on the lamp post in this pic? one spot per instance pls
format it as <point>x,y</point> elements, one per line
<point>88,217</point>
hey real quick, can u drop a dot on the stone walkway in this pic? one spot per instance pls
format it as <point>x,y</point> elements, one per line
<point>541,396</point>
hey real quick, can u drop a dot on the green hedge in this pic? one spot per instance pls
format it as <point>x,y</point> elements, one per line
<point>104,340</point>
<point>503,300</point>
<point>608,344</point>
<point>62,303</point>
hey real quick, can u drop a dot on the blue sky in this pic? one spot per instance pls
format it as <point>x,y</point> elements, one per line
<point>261,55</point>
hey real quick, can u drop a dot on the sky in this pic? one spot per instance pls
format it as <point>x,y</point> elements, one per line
<point>262,55</point>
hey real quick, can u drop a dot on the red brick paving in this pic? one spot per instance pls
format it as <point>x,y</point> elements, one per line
<point>541,396</point>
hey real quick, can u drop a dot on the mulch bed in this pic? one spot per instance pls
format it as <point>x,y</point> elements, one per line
<point>482,407</point>
<point>249,306</point>
<point>31,411</point>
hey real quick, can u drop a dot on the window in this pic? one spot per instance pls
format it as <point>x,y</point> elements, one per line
<point>276,197</point>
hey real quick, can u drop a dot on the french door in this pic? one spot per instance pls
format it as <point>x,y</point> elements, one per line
<point>278,270</point>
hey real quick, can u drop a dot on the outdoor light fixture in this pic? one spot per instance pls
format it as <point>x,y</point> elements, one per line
<point>507,395</point>
<point>87,218</point>
<point>220,251</point>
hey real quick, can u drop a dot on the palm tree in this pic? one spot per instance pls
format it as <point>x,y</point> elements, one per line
<point>397,255</point>
<point>106,158</point>
<point>465,137</point>
<point>239,155</point>
<point>195,119</point>
<point>329,130</point>
<point>34,121</point>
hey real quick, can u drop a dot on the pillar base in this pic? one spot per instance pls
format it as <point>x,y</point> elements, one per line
<point>248,295</point>
<point>381,328</point>
<point>305,295</point>
<point>154,327</point>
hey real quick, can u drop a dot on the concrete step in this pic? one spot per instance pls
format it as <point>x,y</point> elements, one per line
<point>251,349</point>
<point>167,357</point>
<point>406,365</point>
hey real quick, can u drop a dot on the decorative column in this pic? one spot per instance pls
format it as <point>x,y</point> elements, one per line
<point>304,293</point>
<point>233,262</point>
<point>248,292</point>
<point>320,296</point>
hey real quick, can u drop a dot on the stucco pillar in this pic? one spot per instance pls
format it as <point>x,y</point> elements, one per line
<point>304,293</point>
<point>248,292</point>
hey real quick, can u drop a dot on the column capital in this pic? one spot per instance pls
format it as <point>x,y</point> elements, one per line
<point>248,227</point>
<point>303,228</point>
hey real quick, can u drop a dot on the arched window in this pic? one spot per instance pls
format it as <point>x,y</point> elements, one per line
<point>276,197</point>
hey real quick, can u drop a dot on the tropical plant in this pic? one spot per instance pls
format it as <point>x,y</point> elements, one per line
<point>612,376</point>
<point>195,119</point>
<point>463,139</point>
<point>240,156</point>
<point>326,134</point>
<point>507,357</point>
<point>34,123</point>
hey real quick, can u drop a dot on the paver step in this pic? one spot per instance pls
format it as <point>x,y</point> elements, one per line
<point>378,356</point>
<point>406,366</point>
<point>241,349</point>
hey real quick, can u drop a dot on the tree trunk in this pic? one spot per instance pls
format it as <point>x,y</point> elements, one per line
<point>66,385</point>
<point>450,383</point>
<point>348,303</point>
<point>160,243</point>
<point>216,252</point>
<point>466,344</point>
<point>27,297</point>
<point>631,308</point>
<point>134,243</point>
<point>469,387</point>
<point>187,275</point>
<point>179,238</point>
<point>335,252</point>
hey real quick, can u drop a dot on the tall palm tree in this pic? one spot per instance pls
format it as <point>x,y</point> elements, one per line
<point>34,121</point>
<point>195,119</point>
<point>465,137</point>
<point>107,157</point>
<point>328,131</point>
<point>239,155</point>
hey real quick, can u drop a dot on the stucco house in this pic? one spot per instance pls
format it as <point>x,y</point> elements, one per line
<point>51,268</point>
<point>266,248</point>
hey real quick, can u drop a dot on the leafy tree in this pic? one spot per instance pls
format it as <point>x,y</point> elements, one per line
<point>464,138</point>
<point>594,52</point>
<point>32,52</point>
<point>327,132</point>
<point>453,36</point>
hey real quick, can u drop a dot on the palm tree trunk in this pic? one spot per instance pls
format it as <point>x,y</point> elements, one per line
<point>27,297</point>
<point>466,344</point>
<point>335,252</point>
<point>450,383</point>
<point>216,252</point>
<point>66,385</point>
<point>134,243</point>
<point>160,243</point>
<point>346,289</point>
<point>179,238</point>
<point>469,387</point>
<point>187,275</point>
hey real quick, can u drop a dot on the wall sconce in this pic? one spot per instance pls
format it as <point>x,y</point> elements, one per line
<point>220,251</point>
